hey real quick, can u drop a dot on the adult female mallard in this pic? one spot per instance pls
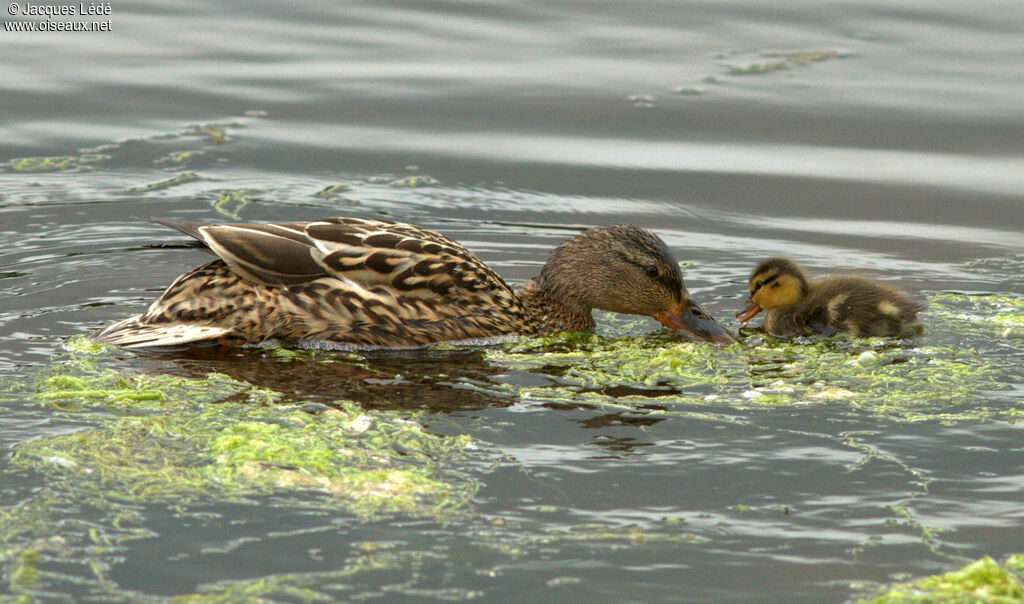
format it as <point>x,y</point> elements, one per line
<point>363,282</point>
<point>847,303</point>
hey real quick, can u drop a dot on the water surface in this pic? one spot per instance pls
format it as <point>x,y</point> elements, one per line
<point>884,137</point>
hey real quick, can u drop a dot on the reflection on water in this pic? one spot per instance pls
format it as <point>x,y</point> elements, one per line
<point>881,137</point>
<point>399,380</point>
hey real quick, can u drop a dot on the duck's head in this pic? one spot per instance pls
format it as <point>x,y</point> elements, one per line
<point>623,268</point>
<point>775,283</point>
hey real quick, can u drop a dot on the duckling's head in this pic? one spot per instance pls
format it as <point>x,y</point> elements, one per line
<point>775,283</point>
<point>623,268</point>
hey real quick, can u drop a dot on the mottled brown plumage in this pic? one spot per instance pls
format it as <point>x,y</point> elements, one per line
<point>845,303</point>
<point>362,282</point>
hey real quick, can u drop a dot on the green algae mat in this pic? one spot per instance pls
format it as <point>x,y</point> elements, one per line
<point>130,440</point>
<point>134,440</point>
<point>982,582</point>
<point>172,438</point>
<point>903,380</point>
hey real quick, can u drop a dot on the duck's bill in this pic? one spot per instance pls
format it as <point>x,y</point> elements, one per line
<point>697,324</point>
<point>748,314</point>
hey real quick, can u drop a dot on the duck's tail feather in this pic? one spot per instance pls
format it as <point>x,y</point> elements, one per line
<point>133,333</point>
<point>187,244</point>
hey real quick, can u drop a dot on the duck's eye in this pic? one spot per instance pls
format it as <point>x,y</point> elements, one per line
<point>759,284</point>
<point>652,271</point>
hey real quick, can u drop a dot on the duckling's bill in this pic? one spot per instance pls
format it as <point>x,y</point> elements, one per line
<point>692,321</point>
<point>749,313</point>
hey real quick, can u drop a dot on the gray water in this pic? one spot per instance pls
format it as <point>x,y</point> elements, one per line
<point>886,137</point>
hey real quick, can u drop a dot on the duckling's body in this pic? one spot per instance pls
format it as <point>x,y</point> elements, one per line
<point>362,282</point>
<point>850,304</point>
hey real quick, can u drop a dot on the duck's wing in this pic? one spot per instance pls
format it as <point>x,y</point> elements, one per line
<point>272,254</point>
<point>342,280</point>
<point>414,261</point>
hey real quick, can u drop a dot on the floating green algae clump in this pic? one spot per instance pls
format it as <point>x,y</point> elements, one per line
<point>119,445</point>
<point>906,380</point>
<point>779,60</point>
<point>61,163</point>
<point>361,462</point>
<point>178,157</point>
<point>592,361</point>
<point>981,582</point>
<point>331,191</point>
<point>168,438</point>
<point>184,177</point>
<point>230,202</point>
<point>216,132</point>
<point>982,314</point>
<point>876,375</point>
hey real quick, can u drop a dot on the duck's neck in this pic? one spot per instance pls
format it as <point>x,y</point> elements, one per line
<point>547,313</point>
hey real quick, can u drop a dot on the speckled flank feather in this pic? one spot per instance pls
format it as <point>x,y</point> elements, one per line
<point>350,281</point>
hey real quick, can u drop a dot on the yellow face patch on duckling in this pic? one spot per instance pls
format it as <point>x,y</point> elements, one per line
<point>773,292</point>
<point>775,283</point>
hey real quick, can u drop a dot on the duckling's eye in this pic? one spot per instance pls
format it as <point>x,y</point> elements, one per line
<point>652,271</point>
<point>759,284</point>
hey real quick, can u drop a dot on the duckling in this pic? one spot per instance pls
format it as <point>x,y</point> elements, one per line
<point>375,283</point>
<point>835,303</point>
